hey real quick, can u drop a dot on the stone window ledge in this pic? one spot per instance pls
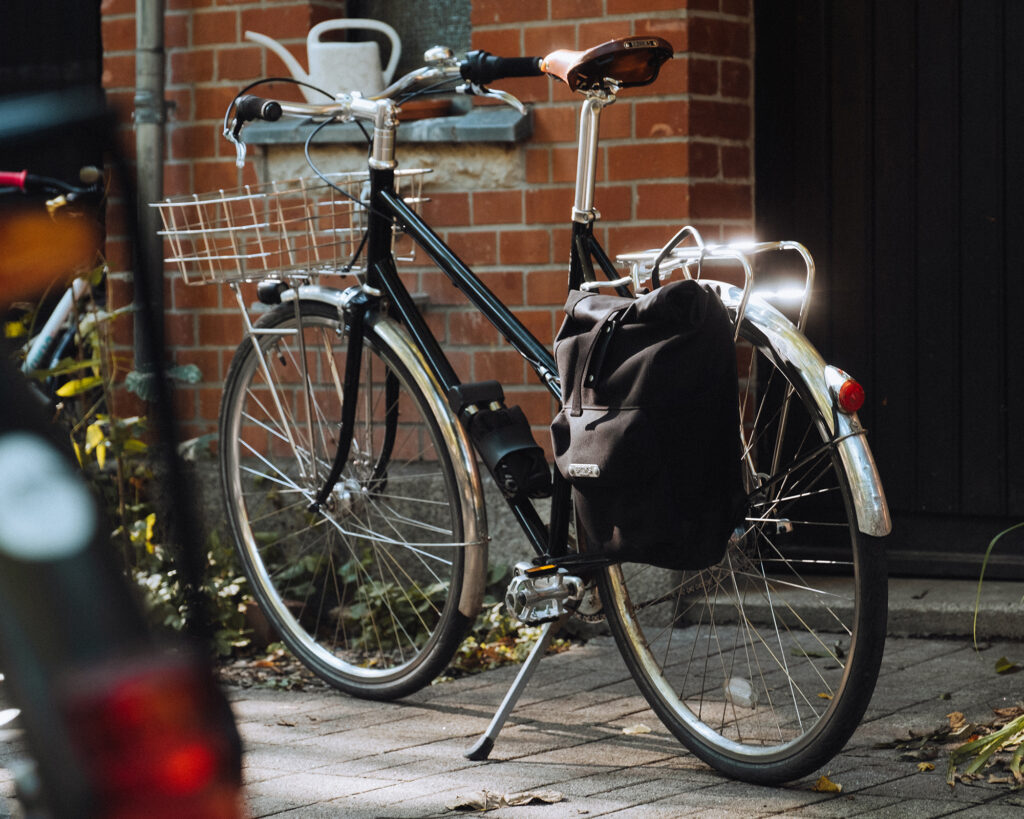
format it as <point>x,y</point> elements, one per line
<point>480,124</point>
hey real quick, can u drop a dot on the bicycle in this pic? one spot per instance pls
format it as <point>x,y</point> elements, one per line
<point>116,723</point>
<point>349,453</point>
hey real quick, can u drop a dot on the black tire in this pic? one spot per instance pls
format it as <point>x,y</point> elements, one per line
<point>764,664</point>
<point>364,591</point>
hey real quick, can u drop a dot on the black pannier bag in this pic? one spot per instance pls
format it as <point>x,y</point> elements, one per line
<point>648,433</point>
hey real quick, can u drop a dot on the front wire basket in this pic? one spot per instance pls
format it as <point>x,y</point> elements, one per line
<point>308,226</point>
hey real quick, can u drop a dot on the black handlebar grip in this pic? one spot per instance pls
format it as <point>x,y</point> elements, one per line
<point>250,107</point>
<point>482,67</point>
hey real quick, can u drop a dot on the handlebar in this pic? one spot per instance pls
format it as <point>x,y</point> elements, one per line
<point>481,67</point>
<point>31,183</point>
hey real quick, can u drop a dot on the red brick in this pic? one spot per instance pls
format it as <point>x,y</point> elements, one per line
<point>662,119</point>
<point>704,160</point>
<point>193,65</point>
<point>177,178</point>
<point>631,238</point>
<point>508,287</point>
<point>563,165</point>
<point>541,323</point>
<point>176,31</point>
<point>538,161</point>
<point>211,176</point>
<point>497,207</point>
<point>118,34</point>
<point>576,9</point>
<point>547,287</point>
<point>548,205</point>
<point>544,40</point>
<point>215,27</point>
<point>673,29</point>
<point>475,248</point>
<point>725,38</point>
<point>525,247</point>
<point>278,21</point>
<point>489,12</point>
<point>239,64</point>
<point>662,201</point>
<point>186,296</point>
<point>180,107</point>
<point>180,329</point>
<point>736,161</point>
<point>499,365</point>
<point>188,141</point>
<point>446,209</point>
<point>703,76</point>
<point>637,7</point>
<point>440,289</point>
<point>741,8</point>
<point>721,201</point>
<point>470,327</point>
<point>118,72</point>
<point>594,33</point>
<point>220,329</point>
<point>502,41</point>
<point>212,102</point>
<point>614,202</point>
<point>554,124</point>
<point>720,119</point>
<point>617,121</point>
<point>736,79</point>
<point>648,160</point>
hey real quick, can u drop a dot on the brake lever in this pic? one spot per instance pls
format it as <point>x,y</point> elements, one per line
<point>494,93</point>
<point>232,134</point>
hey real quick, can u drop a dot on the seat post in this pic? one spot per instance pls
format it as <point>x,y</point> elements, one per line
<point>586,158</point>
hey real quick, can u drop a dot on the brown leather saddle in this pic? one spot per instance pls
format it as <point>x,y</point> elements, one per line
<point>628,61</point>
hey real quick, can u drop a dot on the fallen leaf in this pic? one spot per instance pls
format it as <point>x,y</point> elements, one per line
<point>924,767</point>
<point>824,696</point>
<point>1005,666</point>
<point>826,785</point>
<point>956,720</point>
<point>488,800</point>
<point>639,728</point>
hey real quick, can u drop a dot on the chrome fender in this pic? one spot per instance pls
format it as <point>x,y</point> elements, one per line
<point>467,476</point>
<point>808,373</point>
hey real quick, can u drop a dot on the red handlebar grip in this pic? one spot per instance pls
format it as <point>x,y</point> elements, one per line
<point>13,178</point>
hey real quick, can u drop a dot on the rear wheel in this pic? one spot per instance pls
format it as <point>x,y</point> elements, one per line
<point>763,664</point>
<point>364,591</point>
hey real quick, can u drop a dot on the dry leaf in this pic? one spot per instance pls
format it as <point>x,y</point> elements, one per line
<point>1005,666</point>
<point>488,800</point>
<point>923,767</point>
<point>639,728</point>
<point>824,696</point>
<point>826,785</point>
<point>956,720</point>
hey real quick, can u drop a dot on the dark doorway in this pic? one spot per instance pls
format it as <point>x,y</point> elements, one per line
<point>890,141</point>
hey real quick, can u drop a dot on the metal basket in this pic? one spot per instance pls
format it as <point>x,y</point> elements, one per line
<point>308,226</point>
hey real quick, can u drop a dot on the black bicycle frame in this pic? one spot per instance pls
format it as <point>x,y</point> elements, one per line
<point>388,208</point>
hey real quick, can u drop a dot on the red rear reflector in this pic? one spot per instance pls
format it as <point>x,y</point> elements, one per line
<point>850,396</point>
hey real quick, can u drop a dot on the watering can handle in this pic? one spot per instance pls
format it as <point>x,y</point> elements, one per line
<point>363,23</point>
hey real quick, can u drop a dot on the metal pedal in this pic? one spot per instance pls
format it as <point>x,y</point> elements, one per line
<point>542,594</point>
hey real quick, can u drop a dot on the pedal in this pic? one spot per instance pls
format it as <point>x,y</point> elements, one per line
<point>541,594</point>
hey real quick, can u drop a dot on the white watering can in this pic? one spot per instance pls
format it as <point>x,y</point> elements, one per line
<point>339,66</point>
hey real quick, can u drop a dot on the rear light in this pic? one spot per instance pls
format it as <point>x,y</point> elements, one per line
<point>849,395</point>
<point>156,739</point>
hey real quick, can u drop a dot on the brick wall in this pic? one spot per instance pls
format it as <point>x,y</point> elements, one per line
<point>676,152</point>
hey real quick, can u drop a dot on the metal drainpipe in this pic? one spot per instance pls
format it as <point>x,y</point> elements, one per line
<point>150,116</point>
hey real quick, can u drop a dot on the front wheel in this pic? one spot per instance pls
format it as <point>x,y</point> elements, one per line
<point>365,589</point>
<point>763,664</point>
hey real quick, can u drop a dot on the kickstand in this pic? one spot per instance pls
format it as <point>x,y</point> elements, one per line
<point>482,749</point>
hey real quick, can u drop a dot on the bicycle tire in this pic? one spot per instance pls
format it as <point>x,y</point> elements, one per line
<point>365,590</point>
<point>763,664</point>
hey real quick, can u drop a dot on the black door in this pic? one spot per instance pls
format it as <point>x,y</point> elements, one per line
<point>890,141</point>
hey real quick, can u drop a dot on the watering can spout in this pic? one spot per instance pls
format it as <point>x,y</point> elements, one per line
<point>292,64</point>
<point>339,66</point>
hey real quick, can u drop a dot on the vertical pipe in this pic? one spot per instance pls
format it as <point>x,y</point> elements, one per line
<point>150,115</point>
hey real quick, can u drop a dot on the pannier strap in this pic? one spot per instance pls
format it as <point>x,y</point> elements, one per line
<point>588,375</point>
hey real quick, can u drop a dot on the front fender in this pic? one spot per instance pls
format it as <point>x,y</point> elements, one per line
<point>806,369</point>
<point>467,476</point>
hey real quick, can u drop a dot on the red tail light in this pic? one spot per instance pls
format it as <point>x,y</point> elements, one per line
<point>156,741</point>
<point>848,393</point>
